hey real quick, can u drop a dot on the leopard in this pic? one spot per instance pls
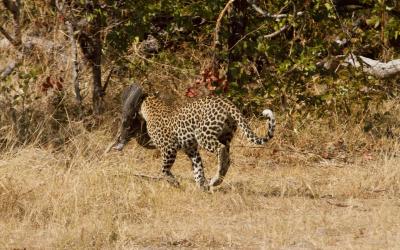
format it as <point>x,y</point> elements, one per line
<point>207,122</point>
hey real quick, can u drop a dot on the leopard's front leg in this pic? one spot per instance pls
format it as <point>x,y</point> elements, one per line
<point>168,159</point>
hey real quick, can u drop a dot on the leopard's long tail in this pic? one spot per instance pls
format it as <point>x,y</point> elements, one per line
<point>250,135</point>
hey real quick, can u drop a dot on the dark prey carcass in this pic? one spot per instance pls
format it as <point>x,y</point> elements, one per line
<point>132,125</point>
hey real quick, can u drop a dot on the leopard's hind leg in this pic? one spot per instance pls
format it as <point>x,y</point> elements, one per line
<point>223,165</point>
<point>220,145</point>
<point>224,160</point>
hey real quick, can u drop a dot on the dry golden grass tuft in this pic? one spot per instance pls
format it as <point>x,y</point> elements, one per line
<point>322,186</point>
<point>319,184</point>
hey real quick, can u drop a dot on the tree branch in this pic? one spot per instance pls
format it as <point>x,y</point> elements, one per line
<point>266,14</point>
<point>274,34</point>
<point>8,37</point>
<point>108,79</point>
<point>273,16</point>
<point>218,24</point>
<point>14,8</point>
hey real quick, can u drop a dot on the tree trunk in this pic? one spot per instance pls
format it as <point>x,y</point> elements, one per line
<point>237,29</point>
<point>97,87</point>
<point>75,64</point>
<point>91,45</point>
<point>96,67</point>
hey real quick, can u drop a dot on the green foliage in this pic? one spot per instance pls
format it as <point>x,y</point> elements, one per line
<point>286,66</point>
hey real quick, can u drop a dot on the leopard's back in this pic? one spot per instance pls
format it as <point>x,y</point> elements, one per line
<point>209,122</point>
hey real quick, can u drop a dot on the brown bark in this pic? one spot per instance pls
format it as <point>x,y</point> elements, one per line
<point>96,72</point>
<point>237,29</point>
<point>75,64</point>
<point>91,45</point>
<point>14,8</point>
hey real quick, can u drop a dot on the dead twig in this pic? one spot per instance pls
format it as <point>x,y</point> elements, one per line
<point>351,204</point>
<point>247,146</point>
<point>274,34</point>
<point>273,16</point>
<point>149,177</point>
<point>338,204</point>
<point>266,14</point>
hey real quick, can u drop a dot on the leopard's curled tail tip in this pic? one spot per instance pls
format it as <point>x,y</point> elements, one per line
<point>269,114</point>
<point>271,122</point>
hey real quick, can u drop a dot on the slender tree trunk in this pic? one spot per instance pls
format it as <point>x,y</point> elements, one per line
<point>75,64</point>
<point>96,72</point>
<point>97,96</point>
<point>91,45</point>
<point>17,22</point>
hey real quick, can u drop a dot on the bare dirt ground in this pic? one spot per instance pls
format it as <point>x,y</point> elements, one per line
<point>319,193</point>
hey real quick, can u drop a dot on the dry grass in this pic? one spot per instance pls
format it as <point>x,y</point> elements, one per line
<point>320,184</point>
<point>321,192</point>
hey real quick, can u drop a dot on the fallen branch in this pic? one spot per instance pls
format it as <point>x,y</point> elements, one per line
<point>172,181</point>
<point>374,67</point>
<point>28,42</point>
<point>149,177</point>
<point>144,176</point>
<point>338,204</point>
